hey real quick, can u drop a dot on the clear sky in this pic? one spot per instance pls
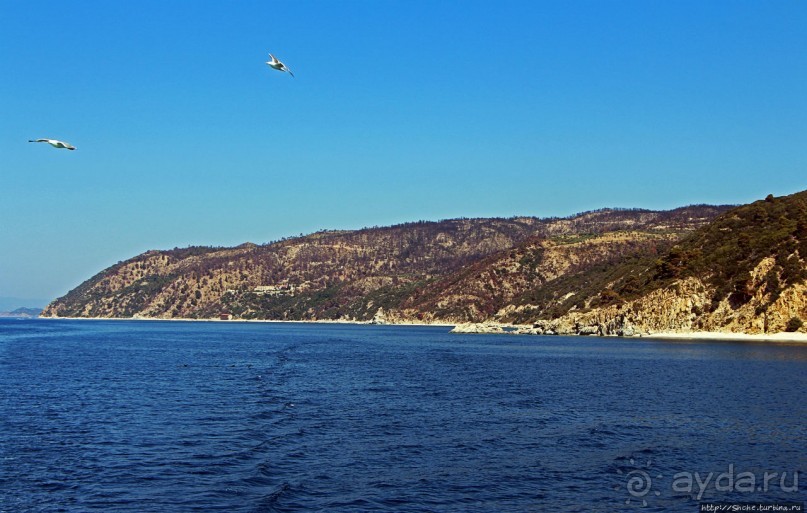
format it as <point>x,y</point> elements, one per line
<point>399,111</point>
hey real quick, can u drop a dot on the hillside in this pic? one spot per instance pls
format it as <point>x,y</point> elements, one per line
<point>743,273</point>
<point>460,269</point>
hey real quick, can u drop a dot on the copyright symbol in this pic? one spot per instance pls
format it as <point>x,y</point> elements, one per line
<point>639,483</point>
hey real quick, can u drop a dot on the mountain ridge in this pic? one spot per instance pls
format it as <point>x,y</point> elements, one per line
<point>730,269</point>
<point>350,274</point>
<point>22,313</point>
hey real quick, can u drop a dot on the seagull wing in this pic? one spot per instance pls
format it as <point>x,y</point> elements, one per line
<point>38,140</point>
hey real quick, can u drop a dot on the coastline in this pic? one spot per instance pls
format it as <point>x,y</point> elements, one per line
<point>781,337</point>
<point>276,321</point>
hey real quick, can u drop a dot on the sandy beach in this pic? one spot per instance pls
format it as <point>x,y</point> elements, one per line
<point>712,335</point>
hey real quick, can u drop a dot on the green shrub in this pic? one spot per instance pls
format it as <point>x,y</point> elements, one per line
<point>793,325</point>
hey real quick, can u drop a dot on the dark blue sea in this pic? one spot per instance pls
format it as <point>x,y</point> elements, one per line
<point>251,417</point>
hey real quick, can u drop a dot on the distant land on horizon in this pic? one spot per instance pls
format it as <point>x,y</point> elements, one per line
<point>9,303</point>
<point>23,313</point>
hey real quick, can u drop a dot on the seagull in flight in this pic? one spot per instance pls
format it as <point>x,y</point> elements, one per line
<point>276,64</point>
<point>55,143</point>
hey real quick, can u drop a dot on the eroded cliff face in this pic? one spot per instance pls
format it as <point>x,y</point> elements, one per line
<point>688,305</point>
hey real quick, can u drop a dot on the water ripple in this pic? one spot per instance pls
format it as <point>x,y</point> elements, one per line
<point>176,417</point>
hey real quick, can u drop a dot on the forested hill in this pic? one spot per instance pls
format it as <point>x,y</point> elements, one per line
<point>351,274</point>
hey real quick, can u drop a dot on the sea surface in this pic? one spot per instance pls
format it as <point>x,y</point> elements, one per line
<point>258,417</point>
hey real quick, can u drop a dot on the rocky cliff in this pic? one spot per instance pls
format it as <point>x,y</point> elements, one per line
<point>744,272</point>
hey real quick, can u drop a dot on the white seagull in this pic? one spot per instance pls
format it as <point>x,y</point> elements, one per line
<point>55,143</point>
<point>276,64</point>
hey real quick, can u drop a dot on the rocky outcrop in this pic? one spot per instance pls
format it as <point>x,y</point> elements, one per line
<point>477,327</point>
<point>685,307</point>
<point>743,273</point>
<point>380,317</point>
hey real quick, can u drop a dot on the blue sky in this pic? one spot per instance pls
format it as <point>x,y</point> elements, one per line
<point>399,111</point>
